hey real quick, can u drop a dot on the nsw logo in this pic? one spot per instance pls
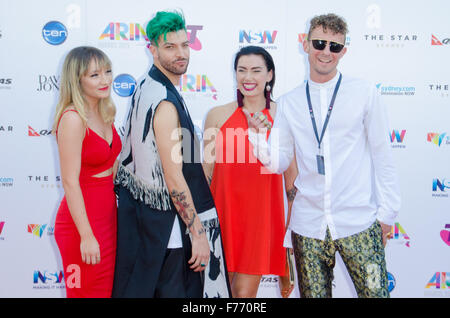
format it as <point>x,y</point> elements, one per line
<point>124,85</point>
<point>439,187</point>
<point>44,279</point>
<point>54,33</point>
<point>257,37</point>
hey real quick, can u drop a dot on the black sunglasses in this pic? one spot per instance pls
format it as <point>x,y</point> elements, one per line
<point>320,45</point>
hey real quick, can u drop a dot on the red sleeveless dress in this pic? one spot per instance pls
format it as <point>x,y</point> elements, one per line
<point>82,280</point>
<point>249,202</point>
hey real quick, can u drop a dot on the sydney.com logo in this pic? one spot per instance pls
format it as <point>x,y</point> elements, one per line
<point>396,90</point>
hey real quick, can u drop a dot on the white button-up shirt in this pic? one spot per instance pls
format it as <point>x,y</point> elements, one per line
<point>360,183</point>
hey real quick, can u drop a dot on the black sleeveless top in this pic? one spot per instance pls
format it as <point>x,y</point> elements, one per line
<point>191,147</point>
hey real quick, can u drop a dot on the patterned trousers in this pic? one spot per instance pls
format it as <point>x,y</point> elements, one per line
<point>363,256</point>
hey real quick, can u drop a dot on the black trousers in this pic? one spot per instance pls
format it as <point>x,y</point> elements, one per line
<point>171,278</point>
<point>145,268</point>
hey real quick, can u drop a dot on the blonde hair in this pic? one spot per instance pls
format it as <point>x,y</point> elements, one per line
<point>75,66</point>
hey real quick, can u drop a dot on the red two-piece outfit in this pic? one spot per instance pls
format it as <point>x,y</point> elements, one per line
<point>249,203</point>
<point>82,280</point>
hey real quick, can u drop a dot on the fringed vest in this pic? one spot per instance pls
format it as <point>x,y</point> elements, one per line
<point>140,169</point>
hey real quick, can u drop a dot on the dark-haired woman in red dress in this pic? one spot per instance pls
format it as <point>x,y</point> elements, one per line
<point>88,144</point>
<point>249,199</point>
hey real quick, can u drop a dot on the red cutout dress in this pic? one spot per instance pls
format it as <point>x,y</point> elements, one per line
<point>249,202</point>
<point>82,280</point>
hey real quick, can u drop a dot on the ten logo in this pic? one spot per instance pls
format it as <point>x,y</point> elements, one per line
<point>54,33</point>
<point>391,282</point>
<point>124,85</point>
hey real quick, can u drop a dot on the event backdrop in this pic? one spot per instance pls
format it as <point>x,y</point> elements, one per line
<point>401,46</point>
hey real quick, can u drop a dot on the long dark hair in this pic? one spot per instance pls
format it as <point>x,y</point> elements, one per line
<point>257,50</point>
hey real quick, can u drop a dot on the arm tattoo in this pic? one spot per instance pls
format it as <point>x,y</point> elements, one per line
<point>179,199</point>
<point>291,194</point>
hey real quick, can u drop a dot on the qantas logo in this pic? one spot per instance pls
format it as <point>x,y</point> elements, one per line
<point>34,133</point>
<point>436,41</point>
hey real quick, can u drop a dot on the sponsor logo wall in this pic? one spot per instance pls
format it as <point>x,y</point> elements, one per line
<point>401,50</point>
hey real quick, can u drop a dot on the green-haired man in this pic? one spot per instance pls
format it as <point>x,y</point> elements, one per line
<point>163,192</point>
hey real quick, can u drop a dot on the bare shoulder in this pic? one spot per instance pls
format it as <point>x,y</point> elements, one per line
<point>165,115</point>
<point>218,115</point>
<point>71,119</point>
<point>71,126</point>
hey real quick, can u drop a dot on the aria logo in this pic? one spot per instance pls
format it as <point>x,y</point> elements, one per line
<point>198,84</point>
<point>135,32</point>
<point>399,235</point>
<point>436,41</point>
<point>54,33</point>
<point>439,281</point>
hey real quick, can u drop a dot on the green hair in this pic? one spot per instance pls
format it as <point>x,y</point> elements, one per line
<point>164,22</point>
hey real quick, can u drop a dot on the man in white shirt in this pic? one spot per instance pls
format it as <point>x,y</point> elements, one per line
<point>348,194</point>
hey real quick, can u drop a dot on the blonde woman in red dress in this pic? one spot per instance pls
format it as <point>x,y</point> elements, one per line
<point>88,145</point>
<point>249,200</point>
